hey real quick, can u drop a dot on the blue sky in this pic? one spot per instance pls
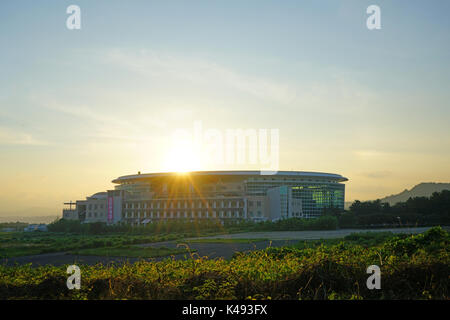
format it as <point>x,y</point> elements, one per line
<point>78,108</point>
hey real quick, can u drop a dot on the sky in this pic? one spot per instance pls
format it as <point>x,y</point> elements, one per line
<point>79,108</point>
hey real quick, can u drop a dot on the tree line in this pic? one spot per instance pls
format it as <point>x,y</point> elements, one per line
<point>416,211</point>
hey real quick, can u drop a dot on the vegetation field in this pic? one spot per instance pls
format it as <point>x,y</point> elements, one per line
<point>72,236</point>
<point>364,239</point>
<point>21,243</point>
<point>412,267</point>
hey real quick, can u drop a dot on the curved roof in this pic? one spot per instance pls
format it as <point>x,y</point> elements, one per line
<point>304,174</point>
<point>99,195</point>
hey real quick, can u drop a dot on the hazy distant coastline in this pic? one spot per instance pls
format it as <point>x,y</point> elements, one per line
<point>29,219</point>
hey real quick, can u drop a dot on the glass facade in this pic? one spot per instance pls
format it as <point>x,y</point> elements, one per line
<point>315,196</point>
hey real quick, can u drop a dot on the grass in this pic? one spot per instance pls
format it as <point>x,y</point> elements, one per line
<point>364,239</point>
<point>412,267</point>
<point>131,251</point>
<point>21,243</point>
<point>222,240</point>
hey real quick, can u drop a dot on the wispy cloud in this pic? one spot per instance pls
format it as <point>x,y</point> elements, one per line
<point>200,72</point>
<point>105,125</point>
<point>370,154</point>
<point>10,136</point>
<point>377,174</point>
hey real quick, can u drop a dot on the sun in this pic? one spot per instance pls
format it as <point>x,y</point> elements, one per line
<point>182,158</point>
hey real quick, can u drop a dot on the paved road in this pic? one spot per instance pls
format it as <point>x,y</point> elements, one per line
<point>212,250</point>
<point>312,235</point>
<point>224,250</point>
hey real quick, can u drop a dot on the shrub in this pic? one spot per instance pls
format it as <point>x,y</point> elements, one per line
<point>325,272</point>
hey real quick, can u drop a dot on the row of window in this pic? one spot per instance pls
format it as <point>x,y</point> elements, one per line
<point>95,214</point>
<point>185,204</point>
<point>256,214</point>
<point>95,206</point>
<point>258,203</point>
<point>200,214</point>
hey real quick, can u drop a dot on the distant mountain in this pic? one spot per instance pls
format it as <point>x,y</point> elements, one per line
<point>424,189</point>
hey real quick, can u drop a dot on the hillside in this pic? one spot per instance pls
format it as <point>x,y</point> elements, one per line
<point>424,189</point>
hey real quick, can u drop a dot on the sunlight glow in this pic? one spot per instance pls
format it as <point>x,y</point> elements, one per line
<point>182,158</point>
